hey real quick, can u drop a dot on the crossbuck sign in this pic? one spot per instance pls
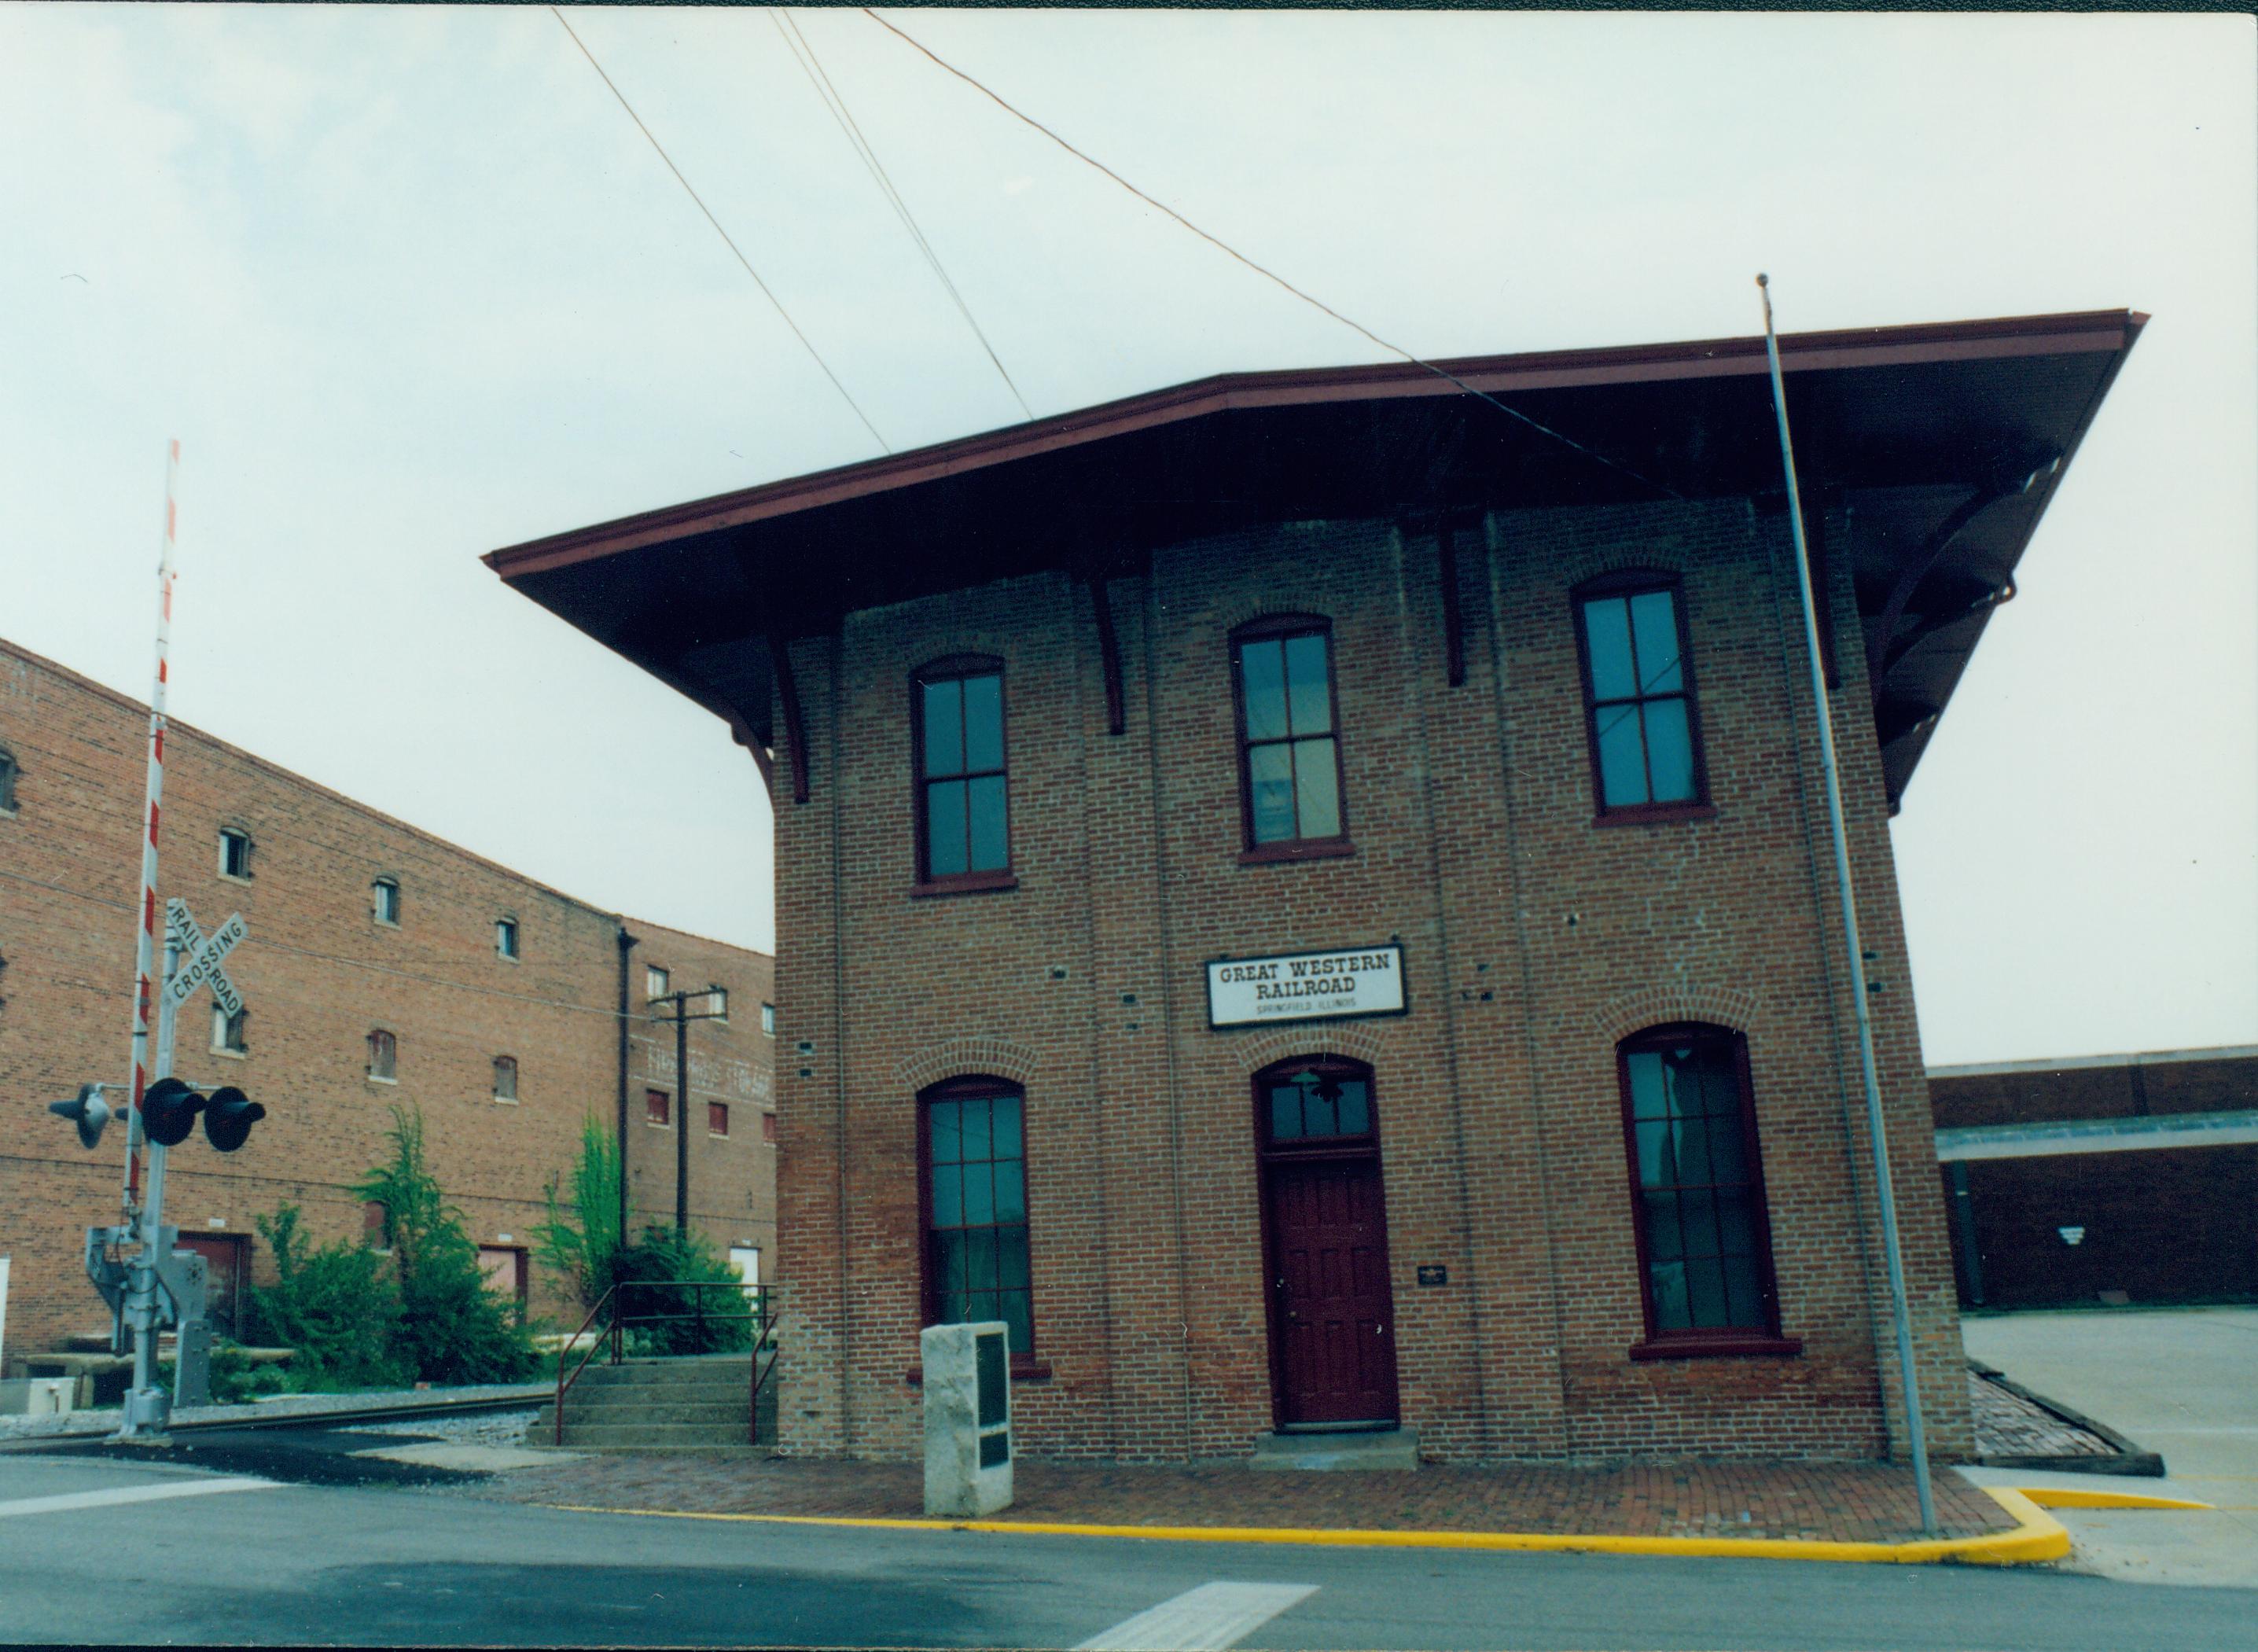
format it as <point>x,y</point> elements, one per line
<point>200,959</point>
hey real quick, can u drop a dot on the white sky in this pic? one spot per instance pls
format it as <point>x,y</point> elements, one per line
<point>408,286</point>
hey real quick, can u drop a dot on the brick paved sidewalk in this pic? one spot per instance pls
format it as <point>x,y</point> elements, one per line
<point>1847,1502</point>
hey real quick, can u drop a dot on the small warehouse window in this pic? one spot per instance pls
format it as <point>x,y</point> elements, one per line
<point>976,1208</point>
<point>383,1056</point>
<point>654,981</point>
<point>234,852</point>
<point>1289,768</point>
<point>506,936</point>
<point>963,824</point>
<point>505,1077</point>
<point>1638,696</point>
<point>657,1108</point>
<point>768,1126</point>
<point>768,1019</point>
<point>717,1118</point>
<point>228,1031</point>
<point>384,900</point>
<point>1697,1187</point>
<point>7,781</point>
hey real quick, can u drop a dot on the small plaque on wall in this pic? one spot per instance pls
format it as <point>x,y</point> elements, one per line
<point>1434,1273</point>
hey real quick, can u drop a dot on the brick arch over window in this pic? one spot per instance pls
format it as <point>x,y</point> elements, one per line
<point>1363,1044</point>
<point>996,1056</point>
<point>1724,1007</point>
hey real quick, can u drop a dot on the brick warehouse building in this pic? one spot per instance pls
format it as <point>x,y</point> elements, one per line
<point>1103,745</point>
<point>384,966</point>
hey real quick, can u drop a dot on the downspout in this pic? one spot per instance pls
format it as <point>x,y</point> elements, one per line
<point>627,945</point>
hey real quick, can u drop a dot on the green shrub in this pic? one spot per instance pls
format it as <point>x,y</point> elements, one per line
<point>235,1380</point>
<point>580,1248</point>
<point>333,1304</point>
<point>661,1258</point>
<point>452,1328</point>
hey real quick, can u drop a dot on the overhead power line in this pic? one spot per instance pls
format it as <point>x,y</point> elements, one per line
<point>765,291</point>
<point>802,51</point>
<point>1268,274</point>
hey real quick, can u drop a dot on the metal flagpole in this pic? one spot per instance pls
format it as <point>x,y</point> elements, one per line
<point>1916,1436</point>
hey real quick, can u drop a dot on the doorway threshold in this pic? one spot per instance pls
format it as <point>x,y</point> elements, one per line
<point>1382,1447</point>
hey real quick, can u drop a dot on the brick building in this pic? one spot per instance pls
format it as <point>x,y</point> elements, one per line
<point>384,967</point>
<point>1307,894</point>
<point>2102,1178</point>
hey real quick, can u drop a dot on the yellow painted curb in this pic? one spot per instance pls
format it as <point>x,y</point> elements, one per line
<point>2085,1497</point>
<point>2038,1536</point>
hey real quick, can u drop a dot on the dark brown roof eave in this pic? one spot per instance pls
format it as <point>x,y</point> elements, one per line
<point>2098,331</point>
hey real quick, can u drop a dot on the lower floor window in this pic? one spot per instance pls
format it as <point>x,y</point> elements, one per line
<point>1704,1235</point>
<point>976,1208</point>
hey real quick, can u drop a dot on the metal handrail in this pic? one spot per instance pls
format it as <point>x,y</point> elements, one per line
<point>757,1314</point>
<point>761,1373</point>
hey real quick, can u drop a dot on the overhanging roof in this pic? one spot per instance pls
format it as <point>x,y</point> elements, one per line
<point>1945,442</point>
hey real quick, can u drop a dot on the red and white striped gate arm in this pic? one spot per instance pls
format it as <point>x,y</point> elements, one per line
<point>145,946</point>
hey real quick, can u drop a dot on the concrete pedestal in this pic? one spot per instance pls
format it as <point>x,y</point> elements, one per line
<point>967,1417</point>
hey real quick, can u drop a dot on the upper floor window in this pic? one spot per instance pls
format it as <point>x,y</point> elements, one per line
<point>506,936</point>
<point>768,1019</point>
<point>975,1207</point>
<point>717,1118</point>
<point>654,981</point>
<point>657,1108</point>
<point>383,1055</point>
<point>505,1077</point>
<point>1638,695</point>
<point>234,852</point>
<point>228,1031</point>
<point>1289,768</point>
<point>1697,1185</point>
<point>7,781</point>
<point>384,900</point>
<point>964,823</point>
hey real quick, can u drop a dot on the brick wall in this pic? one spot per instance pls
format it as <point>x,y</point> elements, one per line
<point>318,973</point>
<point>1534,941</point>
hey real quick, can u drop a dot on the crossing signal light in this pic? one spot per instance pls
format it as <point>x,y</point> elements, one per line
<point>168,1112</point>
<point>228,1118</point>
<point>88,1110</point>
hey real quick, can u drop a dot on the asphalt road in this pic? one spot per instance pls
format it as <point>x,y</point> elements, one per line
<point>96,1549</point>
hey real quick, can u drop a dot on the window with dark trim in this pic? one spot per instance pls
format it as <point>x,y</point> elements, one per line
<point>963,807</point>
<point>717,1118</point>
<point>506,936</point>
<point>229,1032</point>
<point>8,772</point>
<point>1640,715</point>
<point>768,1126</point>
<point>972,1143</point>
<point>1697,1192</point>
<point>657,1108</point>
<point>234,852</point>
<point>1289,716</point>
<point>505,1069</point>
<point>384,900</point>
<point>383,1055</point>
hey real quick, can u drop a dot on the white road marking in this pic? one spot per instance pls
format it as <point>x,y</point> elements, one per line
<point>1207,1619</point>
<point>111,1496</point>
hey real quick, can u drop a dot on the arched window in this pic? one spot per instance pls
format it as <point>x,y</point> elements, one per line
<point>383,1056</point>
<point>1639,711</point>
<point>505,1077</point>
<point>964,804</point>
<point>1314,1101</point>
<point>384,900</point>
<point>1697,1190</point>
<point>973,1146</point>
<point>1289,762</point>
<point>8,772</point>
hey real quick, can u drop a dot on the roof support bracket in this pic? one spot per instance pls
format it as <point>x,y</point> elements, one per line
<point>1109,652</point>
<point>795,725</point>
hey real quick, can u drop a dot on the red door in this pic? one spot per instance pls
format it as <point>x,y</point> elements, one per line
<point>1330,1312</point>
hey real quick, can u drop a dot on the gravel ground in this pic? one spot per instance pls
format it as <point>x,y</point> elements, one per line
<point>73,1423</point>
<point>489,1429</point>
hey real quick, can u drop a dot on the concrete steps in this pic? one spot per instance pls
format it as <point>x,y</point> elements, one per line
<point>695,1404</point>
<point>1351,1448</point>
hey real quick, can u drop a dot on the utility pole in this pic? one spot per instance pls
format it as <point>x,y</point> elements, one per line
<point>714,1007</point>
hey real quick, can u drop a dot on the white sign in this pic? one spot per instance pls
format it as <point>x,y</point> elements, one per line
<point>1357,980</point>
<point>199,963</point>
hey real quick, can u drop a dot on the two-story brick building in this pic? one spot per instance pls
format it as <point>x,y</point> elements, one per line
<point>1307,895</point>
<point>385,967</point>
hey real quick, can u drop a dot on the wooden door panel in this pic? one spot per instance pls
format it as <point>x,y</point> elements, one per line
<point>1332,1316</point>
